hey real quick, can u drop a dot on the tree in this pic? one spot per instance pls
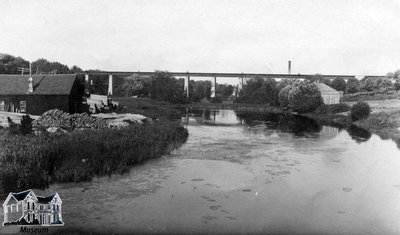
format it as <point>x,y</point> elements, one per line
<point>199,90</point>
<point>76,69</point>
<point>45,66</point>
<point>300,97</point>
<point>395,75</point>
<point>136,85</point>
<point>9,64</point>
<point>368,84</point>
<point>339,84</point>
<point>353,85</point>
<point>259,91</point>
<point>384,84</point>
<point>167,88</point>
<point>224,90</point>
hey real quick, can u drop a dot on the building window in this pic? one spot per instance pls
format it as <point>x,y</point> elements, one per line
<point>22,106</point>
<point>2,105</point>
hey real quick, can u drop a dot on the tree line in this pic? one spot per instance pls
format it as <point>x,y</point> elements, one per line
<point>11,65</point>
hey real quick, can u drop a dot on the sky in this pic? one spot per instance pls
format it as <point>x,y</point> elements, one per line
<point>348,37</point>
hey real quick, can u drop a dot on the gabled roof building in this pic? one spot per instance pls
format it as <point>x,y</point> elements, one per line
<point>329,95</point>
<point>38,93</point>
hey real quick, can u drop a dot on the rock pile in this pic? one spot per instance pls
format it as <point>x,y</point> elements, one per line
<point>59,119</point>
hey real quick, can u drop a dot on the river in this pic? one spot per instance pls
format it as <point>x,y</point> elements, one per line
<point>246,173</point>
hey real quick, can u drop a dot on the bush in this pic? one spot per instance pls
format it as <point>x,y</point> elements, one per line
<point>359,111</point>
<point>26,125</point>
<point>301,97</point>
<point>397,84</point>
<point>36,161</point>
<point>378,121</point>
<point>332,108</point>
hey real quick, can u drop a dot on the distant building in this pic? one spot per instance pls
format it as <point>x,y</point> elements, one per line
<point>329,95</point>
<point>39,93</point>
<point>25,208</point>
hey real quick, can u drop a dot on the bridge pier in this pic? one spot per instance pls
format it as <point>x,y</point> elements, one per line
<point>213,87</point>
<point>240,85</point>
<point>110,84</point>
<point>87,84</point>
<point>186,86</point>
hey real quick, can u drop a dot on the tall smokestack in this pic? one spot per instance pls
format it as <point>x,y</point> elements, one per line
<point>290,67</point>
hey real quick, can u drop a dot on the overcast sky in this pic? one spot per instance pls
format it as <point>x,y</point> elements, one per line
<point>354,37</point>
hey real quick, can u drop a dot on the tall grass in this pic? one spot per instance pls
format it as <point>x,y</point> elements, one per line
<point>150,108</point>
<point>37,161</point>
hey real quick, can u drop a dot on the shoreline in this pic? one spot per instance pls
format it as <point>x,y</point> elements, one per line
<point>336,120</point>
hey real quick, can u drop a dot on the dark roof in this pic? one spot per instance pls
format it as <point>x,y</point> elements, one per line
<point>52,84</point>
<point>21,195</point>
<point>45,200</point>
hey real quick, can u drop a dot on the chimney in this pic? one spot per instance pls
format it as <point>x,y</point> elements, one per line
<point>30,80</point>
<point>290,67</point>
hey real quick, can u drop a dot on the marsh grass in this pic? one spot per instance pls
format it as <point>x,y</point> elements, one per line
<point>149,108</point>
<point>36,161</point>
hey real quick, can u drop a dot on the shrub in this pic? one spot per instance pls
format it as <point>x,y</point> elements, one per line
<point>359,111</point>
<point>26,125</point>
<point>332,108</point>
<point>378,121</point>
<point>36,161</point>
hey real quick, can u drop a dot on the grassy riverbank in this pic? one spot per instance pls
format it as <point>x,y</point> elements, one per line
<point>384,123</point>
<point>37,161</point>
<point>149,108</point>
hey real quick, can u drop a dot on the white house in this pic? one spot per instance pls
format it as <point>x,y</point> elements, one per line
<point>329,95</point>
<point>25,208</point>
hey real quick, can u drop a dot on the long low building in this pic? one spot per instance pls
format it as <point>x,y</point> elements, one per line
<point>38,93</point>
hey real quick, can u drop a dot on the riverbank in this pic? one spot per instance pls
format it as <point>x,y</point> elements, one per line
<point>385,122</point>
<point>42,158</point>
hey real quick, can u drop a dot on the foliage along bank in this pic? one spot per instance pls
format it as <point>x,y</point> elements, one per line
<point>35,161</point>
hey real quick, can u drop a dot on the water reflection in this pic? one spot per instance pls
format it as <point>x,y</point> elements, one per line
<point>358,134</point>
<point>253,122</point>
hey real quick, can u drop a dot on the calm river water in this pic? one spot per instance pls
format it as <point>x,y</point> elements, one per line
<point>243,173</point>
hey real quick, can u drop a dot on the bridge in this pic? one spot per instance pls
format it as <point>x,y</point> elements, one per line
<point>213,76</point>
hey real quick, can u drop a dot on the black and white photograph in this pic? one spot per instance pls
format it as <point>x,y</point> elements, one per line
<point>200,117</point>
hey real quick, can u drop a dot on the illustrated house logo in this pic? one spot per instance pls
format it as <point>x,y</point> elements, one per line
<point>25,208</point>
